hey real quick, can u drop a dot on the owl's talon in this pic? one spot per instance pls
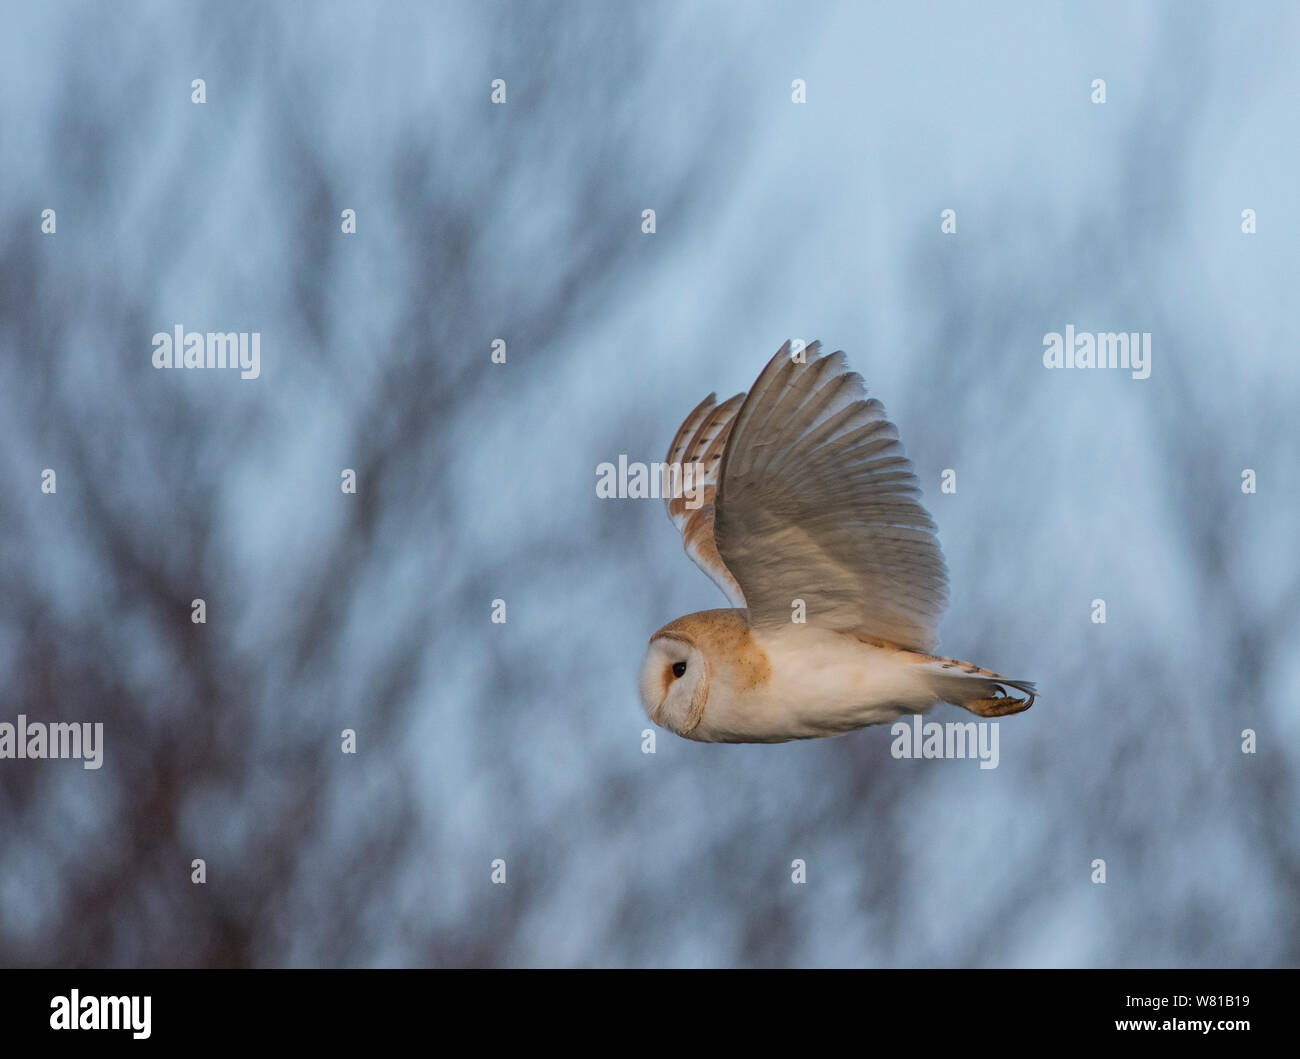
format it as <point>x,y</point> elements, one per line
<point>1001,707</point>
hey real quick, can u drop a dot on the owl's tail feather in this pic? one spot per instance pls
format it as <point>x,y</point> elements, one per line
<point>981,691</point>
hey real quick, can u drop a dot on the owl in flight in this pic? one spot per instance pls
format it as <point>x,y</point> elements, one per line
<point>804,494</point>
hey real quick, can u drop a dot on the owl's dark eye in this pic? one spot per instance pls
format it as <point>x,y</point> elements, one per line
<point>679,669</point>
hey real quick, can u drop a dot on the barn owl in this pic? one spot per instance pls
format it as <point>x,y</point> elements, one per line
<point>806,508</point>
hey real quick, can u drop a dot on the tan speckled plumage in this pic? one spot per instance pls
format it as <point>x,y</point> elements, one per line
<point>701,441</point>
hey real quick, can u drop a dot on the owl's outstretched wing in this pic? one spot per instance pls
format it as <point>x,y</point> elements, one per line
<point>816,501</point>
<point>699,443</point>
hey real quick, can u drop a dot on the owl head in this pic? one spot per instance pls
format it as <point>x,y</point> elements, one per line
<point>701,660</point>
<point>674,681</point>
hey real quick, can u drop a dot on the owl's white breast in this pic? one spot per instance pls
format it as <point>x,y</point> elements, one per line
<point>821,683</point>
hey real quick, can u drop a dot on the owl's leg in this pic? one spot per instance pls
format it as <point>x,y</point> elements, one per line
<point>981,691</point>
<point>998,707</point>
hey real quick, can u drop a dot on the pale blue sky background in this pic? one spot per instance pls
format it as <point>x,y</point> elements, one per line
<point>477,481</point>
